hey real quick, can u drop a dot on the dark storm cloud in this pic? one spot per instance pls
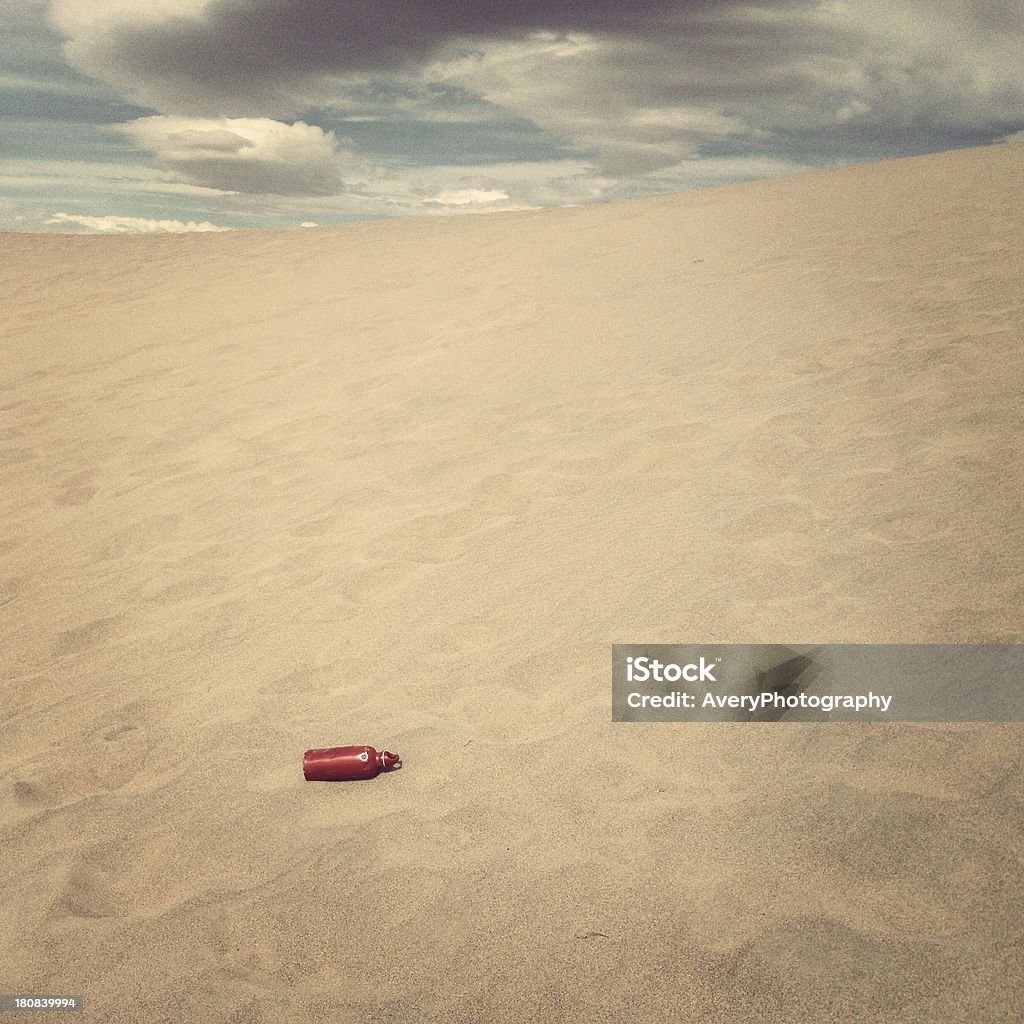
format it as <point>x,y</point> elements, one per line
<point>773,63</point>
<point>240,56</point>
<point>314,35</point>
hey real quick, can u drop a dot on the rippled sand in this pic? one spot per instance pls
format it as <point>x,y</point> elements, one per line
<point>404,484</point>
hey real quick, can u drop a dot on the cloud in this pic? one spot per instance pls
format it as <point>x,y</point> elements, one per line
<point>249,155</point>
<point>637,88</point>
<point>259,55</point>
<point>557,103</point>
<point>132,225</point>
<point>728,77</point>
<point>467,196</point>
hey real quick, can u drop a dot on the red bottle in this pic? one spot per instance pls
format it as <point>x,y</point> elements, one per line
<point>342,764</point>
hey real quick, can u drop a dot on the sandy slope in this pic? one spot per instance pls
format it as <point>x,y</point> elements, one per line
<point>404,484</point>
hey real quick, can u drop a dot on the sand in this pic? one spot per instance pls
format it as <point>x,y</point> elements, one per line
<point>404,484</point>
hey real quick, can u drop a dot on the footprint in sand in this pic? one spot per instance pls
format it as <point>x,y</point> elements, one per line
<point>909,528</point>
<point>190,587</point>
<point>75,495</point>
<point>9,590</point>
<point>99,631</point>
<point>125,735</point>
<point>315,527</point>
<point>15,456</point>
<point>378,577</point>
<point>77,489</point>
<point>30,794</point>
<point>119,730</point>
<point>138,538</point>
<point>91,887</point>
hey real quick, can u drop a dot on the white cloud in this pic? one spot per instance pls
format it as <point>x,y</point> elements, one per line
<point>467,196</point>
<point>132,225</point>
<point>592,93</point>
<point>242,154</point>
<point>84,15</point>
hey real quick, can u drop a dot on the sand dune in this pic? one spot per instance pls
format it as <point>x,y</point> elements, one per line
<point>404,484</point>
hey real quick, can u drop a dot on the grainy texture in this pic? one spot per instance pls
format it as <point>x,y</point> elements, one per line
<point>404,484</point>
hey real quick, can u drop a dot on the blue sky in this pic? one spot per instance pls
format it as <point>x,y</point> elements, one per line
<point>217,114</point>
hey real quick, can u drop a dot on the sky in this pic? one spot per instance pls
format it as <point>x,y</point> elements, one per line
<point>175,115</point>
